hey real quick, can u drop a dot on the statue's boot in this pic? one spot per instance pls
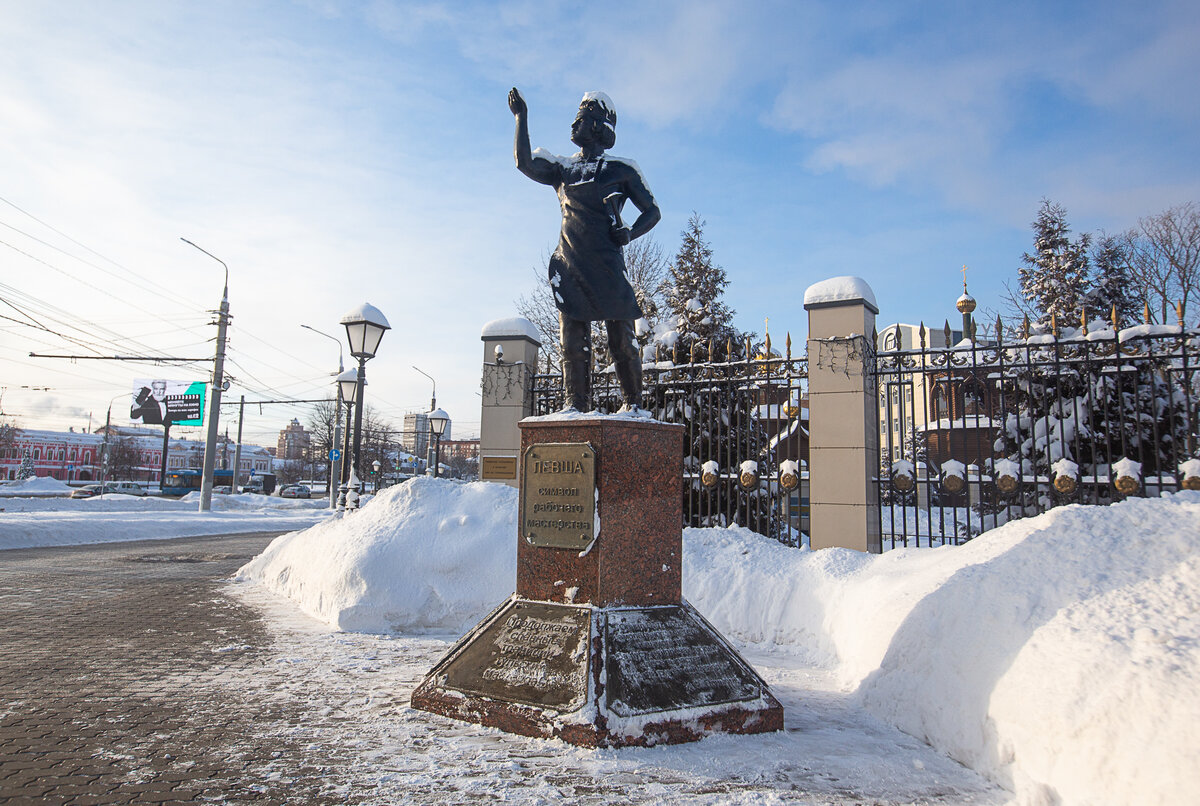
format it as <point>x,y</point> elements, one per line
<point>577,385</point>
<point>629,375</point>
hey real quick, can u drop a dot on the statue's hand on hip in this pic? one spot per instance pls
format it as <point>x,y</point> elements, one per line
<point>620,235</point>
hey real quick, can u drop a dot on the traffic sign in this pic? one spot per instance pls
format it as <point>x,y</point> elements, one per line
<point>334,455</point>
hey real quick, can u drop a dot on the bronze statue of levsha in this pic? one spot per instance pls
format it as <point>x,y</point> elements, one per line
<point>587,269</point>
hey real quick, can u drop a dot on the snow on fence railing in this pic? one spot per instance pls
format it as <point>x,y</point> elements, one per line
<point>1092,415</point>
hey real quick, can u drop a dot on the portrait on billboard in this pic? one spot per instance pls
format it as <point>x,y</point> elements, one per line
<point>163,402</point>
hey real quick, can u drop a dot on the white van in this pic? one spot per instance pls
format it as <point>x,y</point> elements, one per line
<point>125,488</point>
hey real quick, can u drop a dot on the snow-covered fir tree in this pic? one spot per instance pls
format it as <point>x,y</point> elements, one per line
<point>1054,277</point>
<point>694,293</point>
<point>1112,286</point>
<point>25,471</point>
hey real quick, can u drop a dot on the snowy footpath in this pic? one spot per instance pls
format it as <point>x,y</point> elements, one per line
<point>1052,660</point>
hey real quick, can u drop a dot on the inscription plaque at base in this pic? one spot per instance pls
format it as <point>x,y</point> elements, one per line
<point>558,495</point>
<point>533,653</point>
<point>663,658</point>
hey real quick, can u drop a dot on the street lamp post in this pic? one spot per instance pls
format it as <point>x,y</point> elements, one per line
<point>365,326</point>
<point>437,424</point>
<point>432,400</point>
<point>376,466</point>
<point>347,383</point>
<point>335,466</point>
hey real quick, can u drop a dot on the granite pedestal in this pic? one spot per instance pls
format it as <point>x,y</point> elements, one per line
<point>597,645</point>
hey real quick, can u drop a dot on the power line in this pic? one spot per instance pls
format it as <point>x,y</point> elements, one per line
<point>55,230</point>
<point>69,276</point>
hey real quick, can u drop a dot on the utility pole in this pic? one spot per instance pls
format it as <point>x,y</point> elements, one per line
<point>237,453</point>
<point>218,382</point>
<point>166,448</point>
<point>335,465</point>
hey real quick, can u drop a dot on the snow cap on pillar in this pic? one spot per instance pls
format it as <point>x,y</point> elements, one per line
<point>839,291</point>
<point>513,327</point>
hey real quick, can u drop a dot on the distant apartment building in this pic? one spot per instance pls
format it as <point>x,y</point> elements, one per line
<point>415,436</point>
<point>293,443</point>
<point>467,449</point>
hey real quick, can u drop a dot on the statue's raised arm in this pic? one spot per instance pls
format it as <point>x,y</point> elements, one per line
<point>537,169</point>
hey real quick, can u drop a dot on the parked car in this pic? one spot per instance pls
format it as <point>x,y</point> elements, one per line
<point>90,490</point>
<point>223,489</point>
<point>295,491</point>
<point>125,488</point>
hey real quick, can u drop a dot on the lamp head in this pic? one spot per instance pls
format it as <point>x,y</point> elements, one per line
<point>437,421</point>
<point>365,326</point>
<point>348,384</point>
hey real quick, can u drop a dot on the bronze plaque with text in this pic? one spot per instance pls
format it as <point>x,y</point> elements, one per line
<point>558,495</point>
<point>533,653</point>
<point>664,657</point>
<point>499,467</point>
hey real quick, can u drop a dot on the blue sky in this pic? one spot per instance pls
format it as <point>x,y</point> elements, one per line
<point>333,153</point>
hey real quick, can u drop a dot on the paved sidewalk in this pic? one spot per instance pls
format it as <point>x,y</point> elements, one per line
<point>136,673</point>
<point>97,644</point>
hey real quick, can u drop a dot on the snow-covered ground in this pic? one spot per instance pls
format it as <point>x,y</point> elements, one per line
<point>1058,656</point>
<point>37,513</point>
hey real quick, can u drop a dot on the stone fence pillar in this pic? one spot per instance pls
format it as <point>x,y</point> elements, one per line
<point>510,354</point>
<point>843,415</point>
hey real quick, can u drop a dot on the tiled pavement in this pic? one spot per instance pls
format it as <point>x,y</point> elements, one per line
<point>135,673</point>
<point>97,644</point>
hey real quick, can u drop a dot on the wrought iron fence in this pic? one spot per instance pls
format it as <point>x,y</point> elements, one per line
<point>974,435</point>
<point>746,437</point>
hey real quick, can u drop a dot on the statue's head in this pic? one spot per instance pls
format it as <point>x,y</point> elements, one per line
<point>596,122</point>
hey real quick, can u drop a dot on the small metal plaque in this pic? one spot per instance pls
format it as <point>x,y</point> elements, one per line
<point>533,653</point>
<point>558,495</point>
<point>665,658</point>
<point>499,467</point>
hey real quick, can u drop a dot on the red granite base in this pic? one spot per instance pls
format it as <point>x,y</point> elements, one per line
<point>638,556</point>
<point>522,720</point>
<point>666,714</point>
<point>597,647</point>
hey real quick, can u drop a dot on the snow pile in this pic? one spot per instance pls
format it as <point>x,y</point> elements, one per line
<point>1061,657</point>
<point>34,485</point>
<point>429,554</point>
<point>1058,655</point>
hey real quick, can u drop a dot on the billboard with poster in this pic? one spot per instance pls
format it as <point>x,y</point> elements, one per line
<point>158,401</point>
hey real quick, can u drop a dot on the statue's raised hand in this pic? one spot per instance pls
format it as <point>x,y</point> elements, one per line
<point>516,103</point>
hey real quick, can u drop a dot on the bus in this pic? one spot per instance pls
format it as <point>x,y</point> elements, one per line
<point>181,482</point>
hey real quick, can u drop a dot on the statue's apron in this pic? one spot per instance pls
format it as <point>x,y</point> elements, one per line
<point>587,270</point>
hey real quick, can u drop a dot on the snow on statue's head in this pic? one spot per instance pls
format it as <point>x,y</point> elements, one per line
<point>596,121</point>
